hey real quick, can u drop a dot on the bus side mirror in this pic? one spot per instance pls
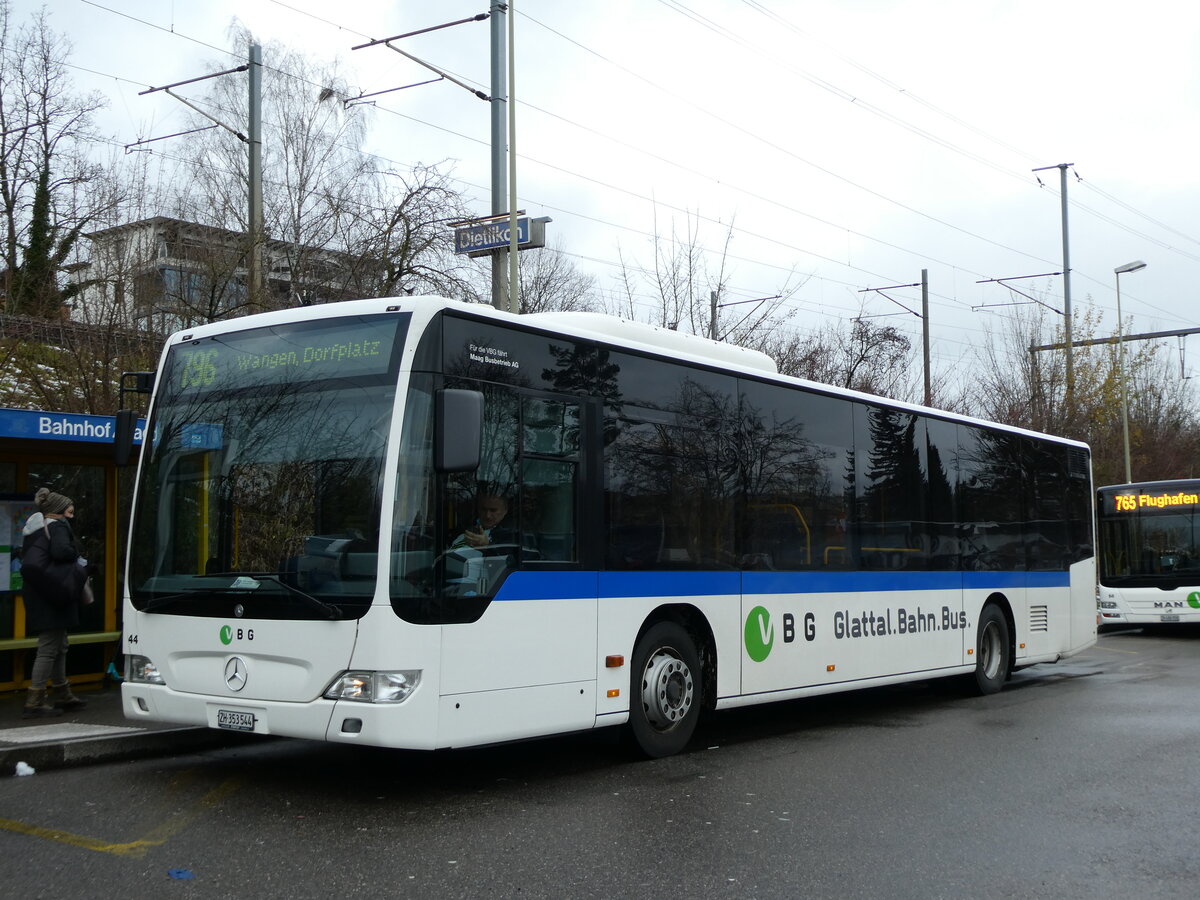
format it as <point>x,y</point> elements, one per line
<point>126,427</point>
<point>458,434</point>
<point>123,436</point>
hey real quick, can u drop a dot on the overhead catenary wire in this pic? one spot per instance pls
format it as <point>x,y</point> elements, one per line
<point>568,170</point>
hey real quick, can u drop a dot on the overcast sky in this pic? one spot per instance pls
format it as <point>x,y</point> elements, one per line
<point>850,143</point>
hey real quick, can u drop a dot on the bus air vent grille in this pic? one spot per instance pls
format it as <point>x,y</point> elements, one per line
<point>1077,463</point>
<point>1039,618</point>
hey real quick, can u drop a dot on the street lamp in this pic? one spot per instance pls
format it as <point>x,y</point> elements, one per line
<point>1118,272</point>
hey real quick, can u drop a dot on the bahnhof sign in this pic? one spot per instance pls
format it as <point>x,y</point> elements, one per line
<point>71,454</point>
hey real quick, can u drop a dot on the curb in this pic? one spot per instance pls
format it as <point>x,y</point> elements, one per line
<point>87,751</point>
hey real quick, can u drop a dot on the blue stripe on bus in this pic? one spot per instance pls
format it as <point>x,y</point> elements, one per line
<point>560,585</point>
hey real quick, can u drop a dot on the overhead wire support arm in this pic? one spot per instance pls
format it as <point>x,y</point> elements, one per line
<point>923,315</point>
<point>136,144</point>
<point>361,98</point>
<point>756,300</point>
<point>462,84</point>
<point>387,42</point>
<point>166,89</point>
<point>477,18</point>
<point>1032,299</point>
<point>190,105</point>
<point>1096,342</point>
<point>891,287</point>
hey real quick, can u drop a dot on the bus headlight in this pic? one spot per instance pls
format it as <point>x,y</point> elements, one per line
<point>140,670</point>
<point>374,687</point>
<point>1106,604</point>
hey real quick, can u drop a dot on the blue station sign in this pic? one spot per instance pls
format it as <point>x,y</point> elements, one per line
<point>483,238</point>
<point>31,424</point>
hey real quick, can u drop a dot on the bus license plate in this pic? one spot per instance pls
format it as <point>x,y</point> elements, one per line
<point>1170,617</point>
<point>235,719</point>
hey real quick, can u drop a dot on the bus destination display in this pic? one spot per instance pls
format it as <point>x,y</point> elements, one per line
<point>1164,501</point>
<point>290,354</point>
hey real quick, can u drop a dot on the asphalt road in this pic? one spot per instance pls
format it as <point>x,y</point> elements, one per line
<point>1078,780</point>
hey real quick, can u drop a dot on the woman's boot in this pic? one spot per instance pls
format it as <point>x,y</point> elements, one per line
<point>36,706</point>
<point>62,698</point>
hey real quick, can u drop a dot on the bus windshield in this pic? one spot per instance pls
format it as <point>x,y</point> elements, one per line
<point>1147,541</point>
<point>260,487</point>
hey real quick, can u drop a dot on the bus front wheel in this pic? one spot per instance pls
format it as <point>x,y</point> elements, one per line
<point>993,652</point>
<point>665,690</point>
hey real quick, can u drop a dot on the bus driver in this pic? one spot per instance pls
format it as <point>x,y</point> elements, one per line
<point>489,528</point>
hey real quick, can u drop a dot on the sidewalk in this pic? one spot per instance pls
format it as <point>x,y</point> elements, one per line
<point>99,733</point>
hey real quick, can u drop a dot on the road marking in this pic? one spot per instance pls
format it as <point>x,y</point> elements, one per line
<point>1108,649</point>
<point>156,837</point>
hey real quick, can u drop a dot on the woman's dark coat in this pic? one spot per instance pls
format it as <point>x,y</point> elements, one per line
<point>40,613</point>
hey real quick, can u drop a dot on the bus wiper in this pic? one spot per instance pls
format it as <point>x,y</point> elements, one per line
<point>331,611</point>
<point>171,599</point>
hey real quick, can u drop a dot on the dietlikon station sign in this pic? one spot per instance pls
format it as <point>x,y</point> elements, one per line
<point>482,238</point>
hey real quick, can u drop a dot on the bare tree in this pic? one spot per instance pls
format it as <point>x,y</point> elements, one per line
<point>398,241</point>
<point>548,281</point>
<point>334,218</point>
<point>45,132</point>
<point>863,356</point>
<point>1016,385</point>
<point>689,287</point>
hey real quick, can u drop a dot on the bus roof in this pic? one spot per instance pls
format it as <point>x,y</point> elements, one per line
<point>605,329</point>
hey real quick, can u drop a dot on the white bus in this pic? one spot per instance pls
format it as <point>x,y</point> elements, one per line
<point>686,530</point>
<point>1149,550</point>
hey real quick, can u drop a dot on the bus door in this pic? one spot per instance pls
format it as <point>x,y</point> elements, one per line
<point>516,533</point>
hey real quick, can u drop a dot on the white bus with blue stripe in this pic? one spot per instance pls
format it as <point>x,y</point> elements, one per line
<point>682,529</point>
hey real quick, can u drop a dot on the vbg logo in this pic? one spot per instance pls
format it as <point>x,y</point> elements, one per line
<point>227,634</point>
<point>759,633</point>
<point>1194,599</point>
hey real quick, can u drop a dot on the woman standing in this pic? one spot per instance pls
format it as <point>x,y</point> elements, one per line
<point>47,613</point>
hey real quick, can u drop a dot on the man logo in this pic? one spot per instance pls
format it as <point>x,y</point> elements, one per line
<point>759,634</point>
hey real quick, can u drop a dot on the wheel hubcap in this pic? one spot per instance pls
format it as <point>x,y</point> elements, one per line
<point>989,650</point>
<point>667,690</point>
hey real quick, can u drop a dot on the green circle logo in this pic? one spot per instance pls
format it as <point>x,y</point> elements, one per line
<point>759,634</point>
<point>1194,599</point>
<point>226,634</point>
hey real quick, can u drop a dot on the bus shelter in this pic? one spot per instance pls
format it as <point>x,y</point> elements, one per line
<point>71,454</point>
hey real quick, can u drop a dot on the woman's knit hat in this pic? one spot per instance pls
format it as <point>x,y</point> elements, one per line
<point>50,503</point>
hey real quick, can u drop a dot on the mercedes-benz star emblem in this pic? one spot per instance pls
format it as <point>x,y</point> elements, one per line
<point>235,673</point>
<point>239,610</point>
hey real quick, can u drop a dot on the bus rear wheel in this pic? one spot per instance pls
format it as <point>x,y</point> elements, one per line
<point>993,651</point>
<point>665,690</point>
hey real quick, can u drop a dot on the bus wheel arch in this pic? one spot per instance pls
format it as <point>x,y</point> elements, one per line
<point>995,649</point>
<point>671,678</point>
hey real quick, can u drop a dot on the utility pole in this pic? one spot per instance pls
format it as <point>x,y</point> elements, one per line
<point>254,226</point>
<point>499,144</point>
<point>1066,273</point>
<point>923,315</point>
<point>925,332</point>
<point>254,168</point>
<point>514,302</point>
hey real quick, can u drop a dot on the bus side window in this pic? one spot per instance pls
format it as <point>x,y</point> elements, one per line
<point>550,455</point>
